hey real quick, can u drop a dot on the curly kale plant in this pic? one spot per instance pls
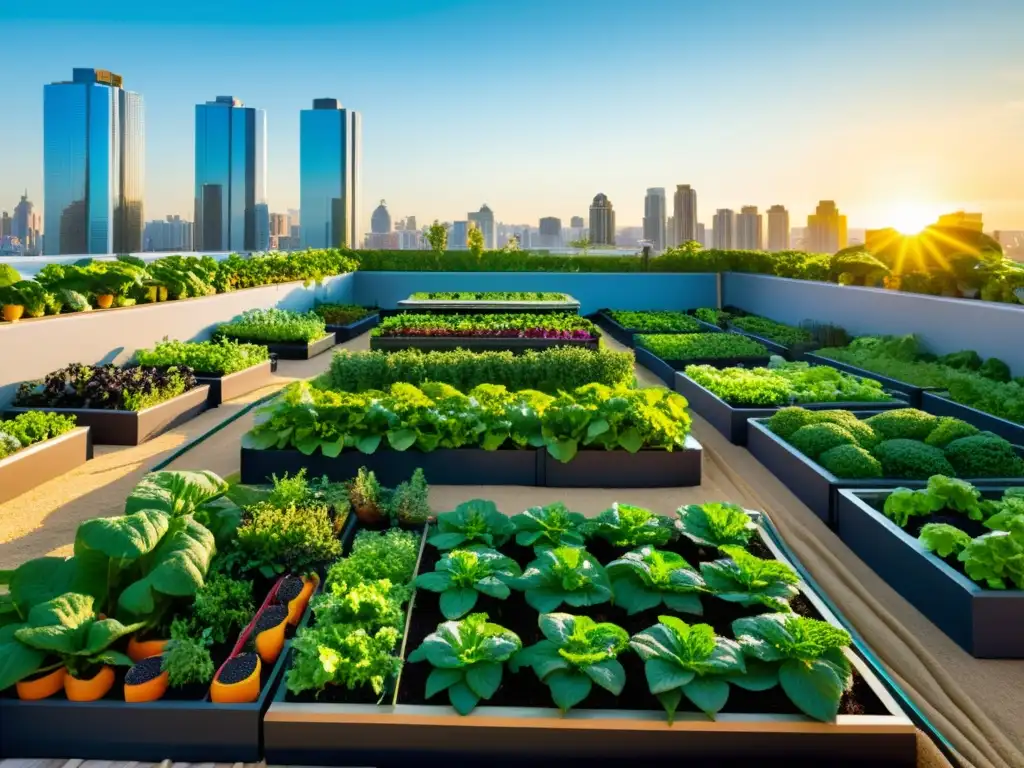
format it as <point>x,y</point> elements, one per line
<point>369,605</point>
<point>576,652</point>
<point>467,658</point>
<point>462,574</point>
<point>623,525</point>
<point>648,577</point>
<point>472,522</point>
<point>550,526</point>
<point>688,660</point>
<point>743,578</point>
<point>715,524</point>
<point>564,575</point>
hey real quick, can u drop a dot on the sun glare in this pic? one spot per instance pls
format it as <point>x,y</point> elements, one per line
<point>911,218</point>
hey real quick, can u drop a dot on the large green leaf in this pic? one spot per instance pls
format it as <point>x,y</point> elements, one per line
<point>568,688</point>
<point>483,678</point>
<point>60,625</point>
<point>441,679</point>
<point>457,602</point>
<point>815,687</point>
<point>17,660</point>
<point>177,493</point>
<point>126,538</point>
<point>36,581</point>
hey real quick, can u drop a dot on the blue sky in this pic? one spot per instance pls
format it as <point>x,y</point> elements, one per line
<point>534,106</point>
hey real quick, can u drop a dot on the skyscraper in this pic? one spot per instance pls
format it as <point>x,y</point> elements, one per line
<point>231,162</point>
<point>173,234</point>
<point>457,238</point>
<point>654,217</point>
<point>381,237</point>
<point>749,229</point>
<point>684,210</point>
<point>550,232</point>
<point>93,164</point>
<point>576,222</point>
<point>725,229</point>
<point>6,224</point>
<point>670,232</point>
<point>26,224</point>
<point>484,220</point>
<point>778,228</point>
<point>330,151</point>
<point>702,235</point>
<point>602,221</point>
<point>826,229</point>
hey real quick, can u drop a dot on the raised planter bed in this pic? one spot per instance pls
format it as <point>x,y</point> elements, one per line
<point>731,421</point>
<point>223,388</point>
<point>987,623</point>
<point>913,393</point>
<point>393,734</point>
<point>40,462</point>
<point>488,307</point>
<point>621,469</point>
<point>350,331</point>
<point>789,353</point>
<point>475,343</point>
<point>298,350</point>
<point>666,369</point>
<point>625,335</point>
<point>934,402</point>
<point>814,485</point>
<point>134,427</point>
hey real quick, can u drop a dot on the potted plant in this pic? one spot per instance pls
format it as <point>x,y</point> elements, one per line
<point>366,496</point>
<point>12,303</point>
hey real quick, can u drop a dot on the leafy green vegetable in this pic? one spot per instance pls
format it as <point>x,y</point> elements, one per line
<point>786,335</point>
<point>274,540</point>
<point>911,459</point>
<point>33,427</point>
<point>210,357</point>
<point>682,659</point>
<point>996,559</point>
<point>715,524</point>
<point>224,606</point>
<point>564,575</point>
<point>519,325</point>
<point>462,574</point>
<point>467,658</point>
<point>656,321</point>
<point>623,525</point>
<point>342,314</point>
<point>984,455</point>
<point>814,439</point>
<point>390,554</point>
<point>850,462</point>
<point>489,296</point>
<point>748,580</point>
<point>369,605</point>
<point>472,522</point>
<point>550,526</point>
<point>200,494</point>
<point>785,383</point>
<point>943,539</point>
<point>187,659</point>
<point>576,652</point>
<point>273,325</point>
<point>331,655</point>
<point>647,577</point>
<point>698,346</point>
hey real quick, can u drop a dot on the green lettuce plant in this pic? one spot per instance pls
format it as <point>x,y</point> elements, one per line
<point>624,525</point>
<point>390,554</point>
<point>688,660</point>
<point>273,325</point>
<point>715,524</point>
<point>943,539</point>
<point>568,575</point>
<point>332,655</point>
<point>743,578</point>
<point>472,522</point>
<point>697,346</point>
<point>369,605</point>
<point>550,526</point>
<point>210,357</point>
<point>576,653</point>
<point>463,574</point>
<point>467,658</point>
<point>655,321</point>
<point>649,577</point>
<point>996,559</point>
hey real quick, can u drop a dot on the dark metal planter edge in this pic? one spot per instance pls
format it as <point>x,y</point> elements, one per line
<point>228,387</point>
<point>912,391</point>
<point>647,468</point>
<point>936,404</point>
<point>350,331</point>
<point>44,461</point>
<point>296,350</point>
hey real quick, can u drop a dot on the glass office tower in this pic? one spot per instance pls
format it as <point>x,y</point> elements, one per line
<point>93,165</point>
<point>330,145</point>
<point>231,180</point>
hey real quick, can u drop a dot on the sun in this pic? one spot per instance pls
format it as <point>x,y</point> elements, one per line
<point>911,218</point>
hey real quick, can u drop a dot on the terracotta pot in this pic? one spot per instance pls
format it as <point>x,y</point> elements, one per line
<point>268,633</point>
<point>145,681</point>
<point>226,689</point>
<point>369,515</point>
<point>13,312</point>
<point>42,687</point>
<point>143,649</point>
<point>92,689</point>
<point>105,301</point>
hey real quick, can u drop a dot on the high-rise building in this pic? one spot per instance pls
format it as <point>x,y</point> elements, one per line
<point>670,232</point>
<point>410,223</point>
<point>484,220</point>
<point>826,229</point>
<point>262,227</point>
<point>602,221</point>
<point>279,225</point>
<point>778,228</point>
<point>381,237</point>
<point>172,234</point>
<point>231,180</point>
<point>6,224</point>
<point>330,152</point>
<point>749,229</point>
<point>93,165</point>
<point>702,235</point>
<point>577,222</point>
<point>457,236</point>
<point>654,217</point>
<point>550,233</point>
<point>725,229</point>
<point>25,225</point>
<point>684,211</point>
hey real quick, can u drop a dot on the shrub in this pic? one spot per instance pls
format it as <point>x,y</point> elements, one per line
<point>865,436</point>
<point>814,439</point>
<point>850,462</point>
<point>216,357</point>
<point>655,321</point>
<point>786,421</point>
<point>984,455</point>
<point>694,346</point>
<point>968,359</point>
<point>911,459</point>
<point>270,325</point>
<point>903,423</point>
<point>949,429</point>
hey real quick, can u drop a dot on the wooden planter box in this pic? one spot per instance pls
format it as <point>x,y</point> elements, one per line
<point>622,469</point>
<point>913,393</point>
<point>223,388</point>
<point>625,335</point>
<point>350,331</point>
<point>934,402</point>
<point>134,427</point>
<point>299,350</point>
<point>666,369</point>
<point>474,343</point>
<point>814,485</point>
<point>731,421</point>
<point>41,462</point>
<point>987,623</point>
<point>427,306</point>
<point>395,735</point>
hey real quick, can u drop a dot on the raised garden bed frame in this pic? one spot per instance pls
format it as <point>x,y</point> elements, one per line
<point>913,393</point>
<point>935,403</point>
<point>475,343</point>
<point>224,387</point>
<point>789,353</point>
<point>625,335</point>
<point>353,329</point>
<point>43,461</point>
<point>300,350</point>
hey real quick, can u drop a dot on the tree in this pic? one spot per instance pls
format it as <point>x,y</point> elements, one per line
<point>583,244</point>
<point>475,241</point>
<point>437,236</point>
<point>512,246</point>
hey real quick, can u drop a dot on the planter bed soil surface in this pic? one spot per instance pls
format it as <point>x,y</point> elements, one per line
<point>625,335</point>
<point>814,485</point>
<point>44,461</point>
<point>224,387</point>
<point>731,420</point>
<point>912,392</point>
<point>666,369</point>
<point>940,405</point>
<point>357,328</point>
<point>987,623</point>
<point>299,350</point>
<point>476,343</point>
<point>110,427</point>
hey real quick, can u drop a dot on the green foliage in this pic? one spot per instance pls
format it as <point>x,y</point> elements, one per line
<point>342,314</point>
<point>551,370</point>
<point>567,575</point>
<point>273,540</point>
<point>785,383</point>
<point>200,494</point>
<point>211,357</point>
<point>949,429</point>
<point>467,658</point>
<point>850,462</point>
<point>647,577</point>
<point>903,423</point>
<point>410,501</point>
<point>390,554</point>
<point>996,559</point>
<point>517,325</point>
<point>911,459</point>
<point>786,335</point>
<point>472,522</point>
<point>461,574</point>
<point>995,369</point>
<point>105,387</point>
<point>8,445</point>
<point>717,317</point>
<point>368,605</point>
<point>187,659</point>
<point>967,359</point>
<point>550,526</point>
<point>8,275</point>
<point>688,660</point>
<point>748,580</point>
<point>518,296</point>
<point>984,455</point>
<point>475,241</point>
<point>814,439</point>
<point>625,525</point>
<point>786,421</point>
<point>437,236</point>
<point>576,653</point>
<point>715,524</point>
<point>331,655</point>
<point>35,427</point>
<point>943,539</point>
<point>273,325</point>
<point>223,606</point>
<point>941,493</point>
<point>697,346</point>
<point>656,321</point>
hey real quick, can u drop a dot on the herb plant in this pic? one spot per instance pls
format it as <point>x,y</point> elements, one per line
<point>656,321</point>
<point>273,540</point>
<point>273,325</point>
<point>206,357</point>
<point>30,428</point>
<point>567,575</point>
<point>519,325</point>
<point>698,346</point>
<point>550,526</point>
<point>489,296</point>
<point>743,578</point>
<point>649,577</point>
<point>467,658</point>
<point>390,554</point>
<point>715,524</point>
<point>342,314</point>
<point>224,606</point>
<point>472,522</point>
<point>576,653</point>
<point>187,659</point>
<point>785,383</point>
<point>410,501</point>
<point>106,387</point>
<point>780,333</point>
<point>624,525</point>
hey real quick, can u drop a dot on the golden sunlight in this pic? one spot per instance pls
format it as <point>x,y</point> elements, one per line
<point>911,218</point>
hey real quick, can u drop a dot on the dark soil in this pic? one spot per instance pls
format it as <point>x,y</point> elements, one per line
<point>290,588</point>
<point>238,669</point>
<point>523,689</point>
<point>145,670</point>
<point>972,528</point>
<point>270,618</point>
